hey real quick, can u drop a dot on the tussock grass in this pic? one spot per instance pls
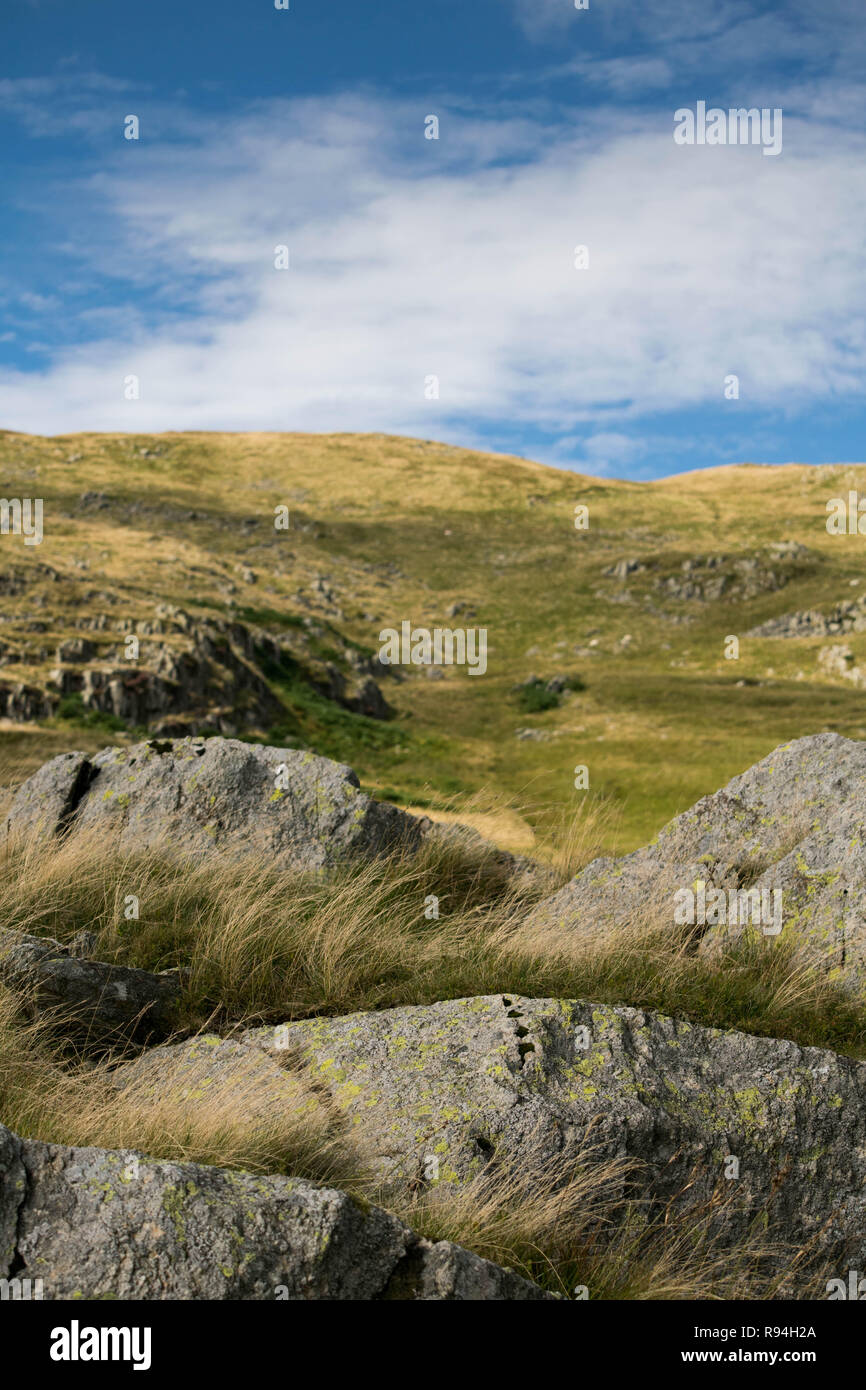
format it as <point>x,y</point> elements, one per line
<point>773,987</point>
<point>563,838</point>
<point>260,943</point>
<point>50,1094</point>
<point>579,1236</point>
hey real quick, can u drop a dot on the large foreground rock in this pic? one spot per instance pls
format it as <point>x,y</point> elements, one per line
<point>438,1093</point>
<point>98,1001</point>
<point>212,797</point>
<point>96,1224</point>
<point>794,822</point>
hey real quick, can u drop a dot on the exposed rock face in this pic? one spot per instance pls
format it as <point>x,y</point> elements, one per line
<point>367,698</point>
<point>102,1002</point>
<point>206,668</point>
<point>211,797</point>
<point>622,569</point>
<point>838,660</point>
<point>96,1224</point>
<point>361,696</point>
<point>184,674</point>
<point>526,1083</point>
<point>708,578</point>
<point>792,822</point>
<point>48,800</point>
<point>76,649</point>
<point>847,616</point>
<point>24,703</point>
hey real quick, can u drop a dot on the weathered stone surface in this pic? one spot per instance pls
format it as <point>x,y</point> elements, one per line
<point>45,803</point>
<point>20,701</point>
<point>793,822</point>
<point>517,1081</point>
<point>212,797</point>
<point>847,616</point>
<point>188,1072</point>
<point>96,1224</point>
<point>101,1000</point>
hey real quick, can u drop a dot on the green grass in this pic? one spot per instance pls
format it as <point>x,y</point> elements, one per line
<point>534,698</point>
<point>404,529</point>
<point>332,731</point>
<point>72,712</point>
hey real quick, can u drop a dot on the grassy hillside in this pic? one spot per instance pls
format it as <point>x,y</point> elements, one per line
<point>386,529</point>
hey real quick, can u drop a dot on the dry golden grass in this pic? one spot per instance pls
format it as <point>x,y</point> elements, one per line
<point>48,1093</point>
<point>405,527</point>
<point>564,838</point>
<point>503,827</point>
<point>774,987</point>
<point>577,1234</point>
<point>259,942</point>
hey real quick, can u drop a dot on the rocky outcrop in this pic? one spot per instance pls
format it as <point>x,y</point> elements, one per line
<point>361,696</point>
<point>793,822</point>
<point>623,569</point>
<point>730,1131</point>
<point>100,1002</point>
<point>214,797</point>
<point>711,578</point>
<point>440,1093</point>
<point>366,698</point>
<point>176,673</point>
<point>93,1224</point>
<point>25,703</point>
<point>196,670</point>
<point>839,661</point>
<point>708,578</point>
<point>76,649</point>
<point>847,616</point>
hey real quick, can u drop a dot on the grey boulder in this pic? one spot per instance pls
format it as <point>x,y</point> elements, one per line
<point>101,1002</point>
<point>212,797</point>
<point>434,1095</point>
<point>793,822</point>
<point>95,1224</point>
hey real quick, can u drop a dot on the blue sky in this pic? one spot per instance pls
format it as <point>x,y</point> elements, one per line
<point>412,259</point>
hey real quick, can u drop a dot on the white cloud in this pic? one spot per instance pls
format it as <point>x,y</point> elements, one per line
<point>658,20</point>
<point>86,103</point>
<point>611,452</point>
<point>412,258</point>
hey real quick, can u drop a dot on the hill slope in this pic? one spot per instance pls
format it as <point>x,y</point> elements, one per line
<point>272,634</point>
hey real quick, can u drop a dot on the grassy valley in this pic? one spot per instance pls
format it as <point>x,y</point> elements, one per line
<point>384,529</point>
